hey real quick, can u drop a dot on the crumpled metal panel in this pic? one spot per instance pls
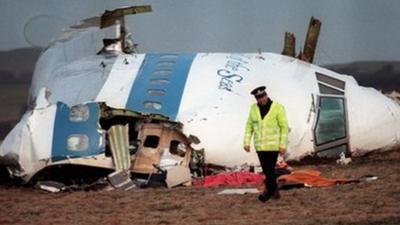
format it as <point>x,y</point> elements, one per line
<point>118,135</point>
<point>77,132</point>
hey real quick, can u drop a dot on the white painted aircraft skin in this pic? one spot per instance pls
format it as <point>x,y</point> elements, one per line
<point>212,104</point>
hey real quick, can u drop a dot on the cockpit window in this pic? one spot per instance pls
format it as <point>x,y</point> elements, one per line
<point>330,80</point>
<point>329,85</point>
<point>324,89</point>
<point>331,121</point>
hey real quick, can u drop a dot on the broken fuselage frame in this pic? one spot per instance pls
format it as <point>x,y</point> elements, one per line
<point>98,136</point>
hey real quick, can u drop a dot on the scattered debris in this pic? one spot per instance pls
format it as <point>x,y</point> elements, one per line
<point>395,95</point>
<point>311,178</point>
<point>121,180</point>
<point>55,186</point>
<point>50,186</point>
<point>143,150</point>
<point>368,178</point>
<point>178,175</point>
<point>365,178</point>
<point>343,160</point>
<point>240,191</point>
<point>310,44</point>
<point>197,163</point>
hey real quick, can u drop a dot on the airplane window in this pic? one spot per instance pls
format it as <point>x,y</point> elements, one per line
<point>156,92</point>
<point>333,152</point>
<point>151,141</point>
<point>79,113</point>
<point>168,63</point>
<point>330,80</point>
<point>78,142</point>
<point>328,90</point>
<point>159,81</point>
<point>162,72</point>
<point>152,105</point>
<point>173,147</point>
<point>169,56</point>
<point>177,148</point>
<point>331,122</point>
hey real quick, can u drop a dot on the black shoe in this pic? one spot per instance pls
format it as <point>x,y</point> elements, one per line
<point>263,197</point>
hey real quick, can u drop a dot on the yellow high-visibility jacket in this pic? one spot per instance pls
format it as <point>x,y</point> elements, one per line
<point>270,133</point>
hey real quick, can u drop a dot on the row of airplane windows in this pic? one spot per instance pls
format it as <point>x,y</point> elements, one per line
<point>163,69</point>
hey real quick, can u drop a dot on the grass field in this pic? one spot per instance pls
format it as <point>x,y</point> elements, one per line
<point>374,202</point>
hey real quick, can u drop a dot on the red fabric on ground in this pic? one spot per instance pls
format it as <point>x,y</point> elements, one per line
<point>230,178</point>
<point>310,177</point>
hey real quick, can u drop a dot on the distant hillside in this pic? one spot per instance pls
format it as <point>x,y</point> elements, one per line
<point>383,76</point>
<point>16,66</point>
<point>16,70</point>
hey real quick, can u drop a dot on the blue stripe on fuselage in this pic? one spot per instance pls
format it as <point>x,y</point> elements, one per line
<point>64,128</point>
<point>159,84</point>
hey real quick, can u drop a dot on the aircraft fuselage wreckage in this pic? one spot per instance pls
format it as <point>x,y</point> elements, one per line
<point>95,102</point>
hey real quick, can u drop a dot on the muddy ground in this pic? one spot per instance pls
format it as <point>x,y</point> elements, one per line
<point>374,202</point>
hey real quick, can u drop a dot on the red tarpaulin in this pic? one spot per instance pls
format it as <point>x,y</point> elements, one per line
<point>230,178</point>
<point>308,177</point>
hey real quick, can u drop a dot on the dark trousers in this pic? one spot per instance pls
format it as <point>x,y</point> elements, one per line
<point>268,161</point>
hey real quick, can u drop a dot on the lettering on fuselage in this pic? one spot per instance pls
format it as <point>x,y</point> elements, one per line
<point>232,71</point>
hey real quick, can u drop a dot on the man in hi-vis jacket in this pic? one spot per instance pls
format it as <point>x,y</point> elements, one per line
<point>268,124</point>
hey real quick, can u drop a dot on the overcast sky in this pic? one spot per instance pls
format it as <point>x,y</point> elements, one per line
<point>352,30</point>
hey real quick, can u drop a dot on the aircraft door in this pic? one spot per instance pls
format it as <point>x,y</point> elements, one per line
<point>331,136</point>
